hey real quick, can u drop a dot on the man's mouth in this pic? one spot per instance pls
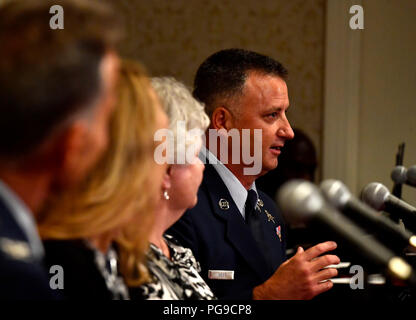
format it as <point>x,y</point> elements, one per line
<point>276,149</point>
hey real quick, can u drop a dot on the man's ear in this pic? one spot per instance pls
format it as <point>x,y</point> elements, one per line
<point>71,147</point>
<point>222,119</point>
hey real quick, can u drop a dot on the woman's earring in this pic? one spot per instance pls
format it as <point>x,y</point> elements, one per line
<point>166,195</point>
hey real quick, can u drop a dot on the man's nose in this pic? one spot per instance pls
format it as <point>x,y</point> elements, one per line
<point>286,131</point>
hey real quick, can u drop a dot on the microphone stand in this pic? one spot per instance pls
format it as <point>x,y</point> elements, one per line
<point>397,187</point>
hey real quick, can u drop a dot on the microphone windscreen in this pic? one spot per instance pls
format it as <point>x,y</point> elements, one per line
<point>399,174</point>
<point>299,199</point>
<point>335,192</point>
<point>411,175</point>
<point>375,194</point>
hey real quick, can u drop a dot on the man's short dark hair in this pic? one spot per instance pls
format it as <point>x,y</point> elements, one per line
<point>223,74</point>
<point>48,75</point>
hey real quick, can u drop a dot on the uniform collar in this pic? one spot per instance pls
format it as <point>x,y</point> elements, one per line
<point>237,191</point>
<point>24,218</point>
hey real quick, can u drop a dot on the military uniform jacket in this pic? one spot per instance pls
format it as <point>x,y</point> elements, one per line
<point>220,239</point>
<point>21,275</point>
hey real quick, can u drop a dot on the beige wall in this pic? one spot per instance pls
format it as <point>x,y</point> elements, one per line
<point>172,37</point>
<point>388,98</point>
<point>370,92</point>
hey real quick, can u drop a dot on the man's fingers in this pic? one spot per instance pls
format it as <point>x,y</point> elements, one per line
<point>321,262</point>
<point>322,287</point>
<point>299,252</point>
<point>326,274</point>
<point>319,249</point>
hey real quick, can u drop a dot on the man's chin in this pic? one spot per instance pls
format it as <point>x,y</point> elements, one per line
<point>266,168</point>
<point>270,165</point>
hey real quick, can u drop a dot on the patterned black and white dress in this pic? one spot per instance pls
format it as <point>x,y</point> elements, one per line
<point>173,279</point>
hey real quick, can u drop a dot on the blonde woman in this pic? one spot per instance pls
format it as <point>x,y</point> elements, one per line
<point>80,229</point>
<point>173,268</point>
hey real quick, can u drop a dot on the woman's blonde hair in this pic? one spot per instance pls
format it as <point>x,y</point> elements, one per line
<point>117,194</point>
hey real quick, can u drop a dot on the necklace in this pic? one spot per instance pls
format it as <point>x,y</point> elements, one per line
<point>107,265</point>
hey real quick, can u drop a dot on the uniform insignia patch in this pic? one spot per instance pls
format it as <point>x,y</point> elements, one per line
<point>279,233</point>
<point>224,204</point>
<point>269,216</point>
<point>260,203</point>
<point>18,250</point>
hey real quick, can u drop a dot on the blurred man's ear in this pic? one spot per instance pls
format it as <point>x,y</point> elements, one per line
<point>86,138</point>
<point>73,159</point>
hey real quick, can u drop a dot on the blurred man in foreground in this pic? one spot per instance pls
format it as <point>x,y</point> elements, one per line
<point>56,96</point>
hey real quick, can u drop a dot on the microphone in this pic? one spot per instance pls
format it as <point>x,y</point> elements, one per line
<point>341,198</point>
<point>378,196</point>
<point>400,175</point>
<point>411,175</point>
<point>303,201</point>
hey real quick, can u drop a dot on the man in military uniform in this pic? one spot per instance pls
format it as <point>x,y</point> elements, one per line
<point>235,231</point>
<point>56,96</point>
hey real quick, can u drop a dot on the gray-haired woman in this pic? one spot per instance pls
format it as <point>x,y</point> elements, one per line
<point>173,268</point>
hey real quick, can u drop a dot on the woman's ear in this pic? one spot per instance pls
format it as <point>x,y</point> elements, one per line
<point>167,178</point>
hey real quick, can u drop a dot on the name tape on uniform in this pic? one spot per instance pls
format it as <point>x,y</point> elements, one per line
<point>221,274</point>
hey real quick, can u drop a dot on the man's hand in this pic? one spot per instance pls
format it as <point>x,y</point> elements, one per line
<point>301,276</point>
